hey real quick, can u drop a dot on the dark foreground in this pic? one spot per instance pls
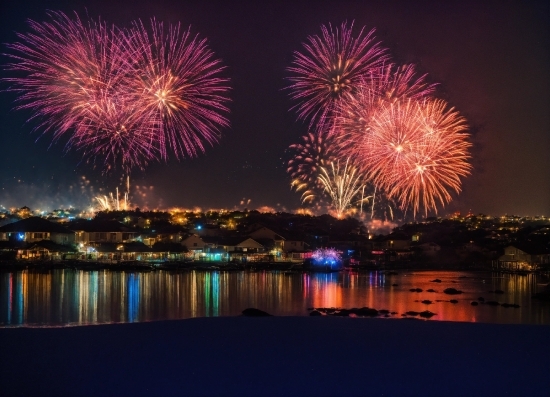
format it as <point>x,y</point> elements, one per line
<point>277,356</point>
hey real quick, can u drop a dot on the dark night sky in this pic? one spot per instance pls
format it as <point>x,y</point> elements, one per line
<point>492,61</point>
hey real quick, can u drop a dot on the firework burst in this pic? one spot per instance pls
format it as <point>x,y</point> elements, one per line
<point>178,88</point>
<point>119,96</point>
<point>418,151</point>
<point>393,82</point>
<point>311,155</point>
<point>332,66</point>
<point>353,117</point>
<point>343,185</point>
<point>65,65</point>
<point>407,150</point>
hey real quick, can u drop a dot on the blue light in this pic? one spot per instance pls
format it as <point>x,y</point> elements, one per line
<point>199,227</point>
<point>21,236</point>
<point>326,257</point>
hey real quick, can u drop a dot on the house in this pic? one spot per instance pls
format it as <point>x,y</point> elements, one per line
<point>194,243</point>
<point>168,234</point>
<point>429,249</point>
<point>36,238</point>
<point>293,242</point>
<point>93,232</point>
<point>34,229</point>
<point>524,257</point>
<point>249,250</point>
<point>266,233</point>
<point>279,244</point>
<point>394,241</point>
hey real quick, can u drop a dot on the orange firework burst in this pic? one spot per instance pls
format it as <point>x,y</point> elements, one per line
<point>418,151</point>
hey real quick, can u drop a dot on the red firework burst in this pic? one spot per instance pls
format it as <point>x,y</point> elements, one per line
<point>331,66</point>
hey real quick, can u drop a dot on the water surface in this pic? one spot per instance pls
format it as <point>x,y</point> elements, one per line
<point>76,297</point>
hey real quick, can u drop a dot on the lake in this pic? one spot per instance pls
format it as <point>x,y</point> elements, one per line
<point>68,297</point>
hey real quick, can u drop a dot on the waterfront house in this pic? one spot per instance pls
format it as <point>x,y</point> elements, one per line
<point>524,257</point>
<point>34,229</point>
<point>36,238</point>
<point>266,233</point>
<point>93,232</point>
<point>194,243</point>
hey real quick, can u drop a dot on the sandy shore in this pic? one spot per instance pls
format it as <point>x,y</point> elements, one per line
<point>277,356</point>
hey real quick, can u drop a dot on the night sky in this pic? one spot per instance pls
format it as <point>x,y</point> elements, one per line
<point>491,60</point>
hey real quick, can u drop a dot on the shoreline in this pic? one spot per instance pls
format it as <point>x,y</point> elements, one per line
<point>303,356</point>
<point>227,266</point>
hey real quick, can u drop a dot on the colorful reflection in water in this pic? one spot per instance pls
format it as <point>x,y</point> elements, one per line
<point>72,297</point>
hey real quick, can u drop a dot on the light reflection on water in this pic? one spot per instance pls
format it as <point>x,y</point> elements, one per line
<point>73,297</point>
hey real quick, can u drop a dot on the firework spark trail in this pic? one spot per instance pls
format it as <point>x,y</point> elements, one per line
<point>112,203</point>
<point>332,66</point>
<point>342,185</point>
<point>177,86</point>
<point>120,96</point>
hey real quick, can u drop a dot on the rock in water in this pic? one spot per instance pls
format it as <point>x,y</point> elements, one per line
<point>315,313</point>
<point>252,312</point>
<point>366,312</point>
<point>426,314</point>
<point>452,291</point>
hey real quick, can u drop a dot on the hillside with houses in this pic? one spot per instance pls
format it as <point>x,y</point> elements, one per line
<point>245,237</point>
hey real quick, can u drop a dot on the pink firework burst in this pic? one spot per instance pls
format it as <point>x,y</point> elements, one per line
<point>122,97</point>
<point>178,87</point>
<point>111,131</point>
<point>64,65</point>
<point>332,66</point>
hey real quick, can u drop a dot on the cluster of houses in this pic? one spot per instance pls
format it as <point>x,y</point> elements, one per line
<point>38,238</point>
